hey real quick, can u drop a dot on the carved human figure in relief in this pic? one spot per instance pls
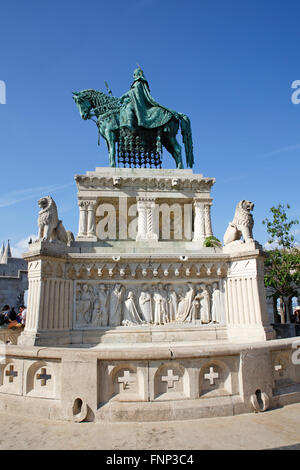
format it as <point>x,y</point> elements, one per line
<point>100,313</point>
<point>160,306</point>
<point>145,303</point>
<point>131,315</point>
<point>189,300</point>
<point>96,314</point>
<point>181,306</point>
<point>172,303</point>
<point>115,312</point>
<point>184,306</point>
<point>84,304</point>
<point>79,315</point>
<point>217,305</point>
<point>242,223</point>
<point>204,304</point>
<point>103,299</point>
<point>195,309</point>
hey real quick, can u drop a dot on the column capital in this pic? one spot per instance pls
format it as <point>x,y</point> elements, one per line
<point>91,204</point>
<point>146,200</point>
<point>87,203</point>
<point>203,201</point>
<point>145,203</point>
<point>199,203</point>
<point>83,204</point>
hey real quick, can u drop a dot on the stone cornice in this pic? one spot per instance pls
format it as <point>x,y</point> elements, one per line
<point>64,252</point>
<point>158,183</point>
<point>162,351</point>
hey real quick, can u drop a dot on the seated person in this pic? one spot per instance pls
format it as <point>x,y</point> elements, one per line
<point>4,314</point>
<point>21,317</point>
<point>11,318</point>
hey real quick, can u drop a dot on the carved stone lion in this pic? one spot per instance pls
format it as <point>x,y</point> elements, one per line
<point>50,227</point>
<point>242,224</point>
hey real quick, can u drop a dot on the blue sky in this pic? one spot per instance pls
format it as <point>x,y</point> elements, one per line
<point>227,64</point>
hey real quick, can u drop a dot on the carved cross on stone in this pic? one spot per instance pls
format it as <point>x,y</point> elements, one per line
<point>126,379</point>
<point>211,376</point>
<point>170,378</point>
<point>11,373</point>
<point>43,377</point>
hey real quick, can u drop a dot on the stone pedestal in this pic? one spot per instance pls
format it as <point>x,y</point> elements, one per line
<point>50,296</point>
<point>138,320</point>
<point>246,301</point>
<point>138,270</point>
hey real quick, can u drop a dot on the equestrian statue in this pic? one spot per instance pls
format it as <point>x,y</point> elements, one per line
<point>137,124</point>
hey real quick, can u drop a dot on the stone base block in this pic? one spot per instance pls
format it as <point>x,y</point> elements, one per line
<point>151,334</point>
<point>121,335</point>
<point>170,410</point>
<point>45,338</point>
<point>149,382</point>
<point>248,333</point>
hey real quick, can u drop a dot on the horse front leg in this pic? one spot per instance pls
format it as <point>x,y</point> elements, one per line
<point>111,144</point>
<point>112,154</point>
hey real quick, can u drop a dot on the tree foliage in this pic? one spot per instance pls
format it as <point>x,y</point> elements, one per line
<point>282,262</point>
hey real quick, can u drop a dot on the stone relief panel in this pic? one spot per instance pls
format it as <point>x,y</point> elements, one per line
<point>11,376</point>
<point>122,381</point>
<point>215,380</point>
<point>286,373</point>
<point>42,378</point>
<point>124,304</point>
<point>168,380</point>
<point>171,382</point>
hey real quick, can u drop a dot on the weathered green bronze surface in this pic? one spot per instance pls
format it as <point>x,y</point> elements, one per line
<point>138,124</point>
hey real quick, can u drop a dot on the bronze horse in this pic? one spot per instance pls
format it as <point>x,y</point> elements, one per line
<point>106,109</point>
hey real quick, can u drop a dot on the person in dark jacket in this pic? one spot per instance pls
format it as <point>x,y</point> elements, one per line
<point>4,314</point>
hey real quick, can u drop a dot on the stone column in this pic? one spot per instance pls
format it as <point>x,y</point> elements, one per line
<point>199,221</point>
<point>87,221</point>
<point>82,230</point>
<point>91,220</point>
<point>151,235</point>
<point>146,225</point>
<point>142,221</point>
<point>207,220</point>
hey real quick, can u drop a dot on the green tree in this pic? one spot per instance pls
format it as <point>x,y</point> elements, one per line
<point>282,264</point>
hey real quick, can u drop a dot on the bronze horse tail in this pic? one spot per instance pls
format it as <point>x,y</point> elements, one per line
<point>186,132</point>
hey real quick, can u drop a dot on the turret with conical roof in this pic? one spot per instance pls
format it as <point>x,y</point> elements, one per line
<point>2,251</point>
<point>6,254</point>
